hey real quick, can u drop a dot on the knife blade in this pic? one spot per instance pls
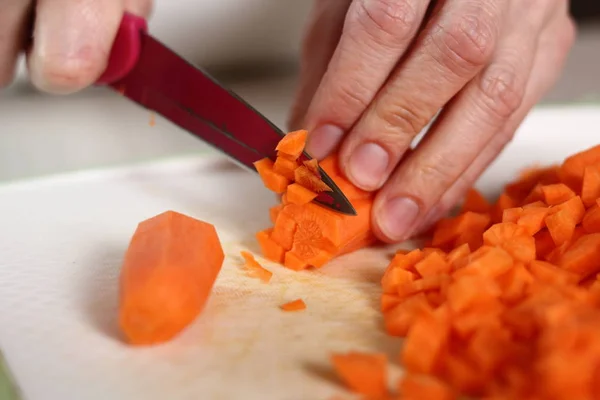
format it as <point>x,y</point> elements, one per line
<point>149,73</point>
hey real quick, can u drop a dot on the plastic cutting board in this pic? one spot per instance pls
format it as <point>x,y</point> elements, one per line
<point>62,240</point>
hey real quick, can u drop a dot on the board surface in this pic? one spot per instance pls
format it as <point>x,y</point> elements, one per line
<point>61,246</point>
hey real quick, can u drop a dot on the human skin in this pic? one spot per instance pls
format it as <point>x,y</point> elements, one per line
<point>375,73</point>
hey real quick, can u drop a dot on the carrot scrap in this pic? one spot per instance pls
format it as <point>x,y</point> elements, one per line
<point>168,273</point>
<point>152,121</point>
<point>272,180</point>
<point>295,305</point>
<point>363,373</point>
<point>254,269</point>
<point>505,301</point>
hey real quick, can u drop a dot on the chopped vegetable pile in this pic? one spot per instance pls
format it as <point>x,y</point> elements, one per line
<point>504,303</point>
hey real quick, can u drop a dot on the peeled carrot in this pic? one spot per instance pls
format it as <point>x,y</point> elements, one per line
<point>295,305</point>
<point>168,273</point>
<point>363,373</point>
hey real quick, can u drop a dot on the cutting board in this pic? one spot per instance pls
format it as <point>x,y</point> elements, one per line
<point>62,240</point>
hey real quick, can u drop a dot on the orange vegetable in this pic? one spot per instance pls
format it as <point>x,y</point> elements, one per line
<point>362,372</point>
<point>255,269</point>
<point>293,143</point>
<point>299,195</point>
<point>505,303</point>
<point>295,305</point>
<point>272,180</point>
<point>168,273</point>
<point>308,234</point>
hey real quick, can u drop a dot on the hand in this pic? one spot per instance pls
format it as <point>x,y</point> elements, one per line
<point>72,39</point>
<point>374,73</point>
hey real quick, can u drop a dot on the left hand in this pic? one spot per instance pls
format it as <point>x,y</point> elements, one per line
<point>376,72</point>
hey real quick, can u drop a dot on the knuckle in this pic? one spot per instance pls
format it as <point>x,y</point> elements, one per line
<point>354,96</point>
<point>502,91</point>
<point>402,118</point>
<point>467,42</point>
<point>438,170</point>
<point>385,19</point>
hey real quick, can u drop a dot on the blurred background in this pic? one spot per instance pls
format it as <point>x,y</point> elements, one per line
<point>251,45</point>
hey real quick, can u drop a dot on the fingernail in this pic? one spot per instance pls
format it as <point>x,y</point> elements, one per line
<point>367,166</point>
<point>397,217</point>
<point>323,140</point>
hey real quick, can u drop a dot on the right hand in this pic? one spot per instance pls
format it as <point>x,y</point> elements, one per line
<point>72,39</point>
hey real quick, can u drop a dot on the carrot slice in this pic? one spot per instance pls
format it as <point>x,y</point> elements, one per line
<point>168,273</point>
<point>294,305</point>
<point>557,193</point>
<point>300,195</point>
<point>582,257</point>
<point>285,167</point>
<point>255,269</point>
<point>362,373</point>
<point>425,343</point>
<point>590,190</point>
<point>399,318</point>
<point>272,180</point>
<point>304,177</point>
<point>270,249</point>
<point>448,230</point>
<point>293,143</point>
<point>591,220</point>
<point>572,170</point>
<point>475,202</point>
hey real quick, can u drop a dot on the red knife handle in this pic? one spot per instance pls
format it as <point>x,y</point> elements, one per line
<point>126,49</point>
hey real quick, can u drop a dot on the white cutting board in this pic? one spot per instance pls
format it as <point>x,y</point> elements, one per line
<point>61,244</point>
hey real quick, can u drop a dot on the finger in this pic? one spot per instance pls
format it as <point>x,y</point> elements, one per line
<point>451,50</point>
<point>376,34</point>
<point>553,49</point>
<point>322,36</point>
<point>461,132</point>
<point>13,30</point>
<point>72,41</point>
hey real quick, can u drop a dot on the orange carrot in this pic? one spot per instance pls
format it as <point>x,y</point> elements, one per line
<point>168,273</point>
<point>295,305</point>
<point>299,195</point>
<point>293,143</point>
<point>255,269</point>
<point>504,295</point>
<point>475,202</point>
<point>272,180</point>
<point>310,234</point>
<point>362,372</point>
<point>285,167</point>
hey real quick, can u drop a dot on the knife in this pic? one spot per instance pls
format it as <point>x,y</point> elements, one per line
<point>149,73</point>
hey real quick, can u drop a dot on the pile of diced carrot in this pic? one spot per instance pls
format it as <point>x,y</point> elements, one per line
<point>504,302</point>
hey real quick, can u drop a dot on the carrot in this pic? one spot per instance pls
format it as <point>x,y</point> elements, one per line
<point>590,189</point>
<point>152,121</point>
<point>255,269</point>
<point>293,143</point>
<point>168,273</point>
<point>309,234</point>
<point>307,178</point>
<point>272,180</point>
<point>299,195</point>
<point>285,167</point>
<point>295,305</point>
<point>362,372</point>
<point>475,202</point>
<point>505,293</point>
